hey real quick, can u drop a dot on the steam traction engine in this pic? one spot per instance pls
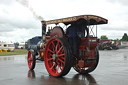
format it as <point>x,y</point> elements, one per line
<point>56,52</point>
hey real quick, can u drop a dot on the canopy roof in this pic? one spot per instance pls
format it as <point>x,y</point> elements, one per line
<point>89,19</point>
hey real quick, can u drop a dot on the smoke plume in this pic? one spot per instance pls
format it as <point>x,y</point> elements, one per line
<point>26,4</point>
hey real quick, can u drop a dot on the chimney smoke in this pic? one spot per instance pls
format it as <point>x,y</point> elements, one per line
<point>26,4</point>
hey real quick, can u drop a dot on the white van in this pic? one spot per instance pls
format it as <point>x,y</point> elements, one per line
<point>21,45</point>
<point>7,46</point>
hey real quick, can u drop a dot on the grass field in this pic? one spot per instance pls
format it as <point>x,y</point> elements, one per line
<point>16,52</point>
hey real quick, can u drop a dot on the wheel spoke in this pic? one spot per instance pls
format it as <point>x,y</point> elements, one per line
<point>61,61</point>
<point>50,55</point>
<point>57,45</point>
<point>31,59</point>
<point>60,66</point>
<point>31,62</point>
<point>62,58</point>
<point>53,66</point>
<point>53,45</point>
<point>50,50</point>
<point>50,59</point>
<point>57,68</point>
<point>60,49</point>
<point>61,55</point>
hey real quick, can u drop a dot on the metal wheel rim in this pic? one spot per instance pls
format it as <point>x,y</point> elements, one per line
<point>55,57</point>
<point>30,59</point>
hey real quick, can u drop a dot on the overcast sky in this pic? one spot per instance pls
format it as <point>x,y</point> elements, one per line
<point>20,19</point>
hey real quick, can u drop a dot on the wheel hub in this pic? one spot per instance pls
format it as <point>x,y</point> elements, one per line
<point>55,56</point>
<point>30,59</point>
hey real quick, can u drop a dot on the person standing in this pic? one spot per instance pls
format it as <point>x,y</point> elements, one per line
<point>82,26</point>
<point>73,39</point>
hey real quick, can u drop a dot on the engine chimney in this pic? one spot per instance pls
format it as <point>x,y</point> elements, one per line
<point>43,30</point>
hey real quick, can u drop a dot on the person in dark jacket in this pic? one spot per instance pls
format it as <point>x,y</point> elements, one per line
<point>82,26</point>
<point>73,39</point>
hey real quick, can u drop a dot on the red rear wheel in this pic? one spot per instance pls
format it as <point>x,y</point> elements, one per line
<point>85,70</point>
<point>57,57</point>
<point>31,60</point>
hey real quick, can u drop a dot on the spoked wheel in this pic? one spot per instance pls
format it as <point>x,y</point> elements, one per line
<point>31,60</point>
<point>57,57</point>
<point>86,70</point>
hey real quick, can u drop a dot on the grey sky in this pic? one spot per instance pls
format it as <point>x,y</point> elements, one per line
<point>19,22</point>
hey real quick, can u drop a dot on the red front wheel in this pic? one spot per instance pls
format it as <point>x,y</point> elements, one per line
<point>31,59</point>
<point>57,57</point>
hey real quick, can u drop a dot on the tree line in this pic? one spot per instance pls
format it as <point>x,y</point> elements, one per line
<point>124,37</point>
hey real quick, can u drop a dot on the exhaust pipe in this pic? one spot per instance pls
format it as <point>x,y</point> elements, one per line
<point>43,30</point>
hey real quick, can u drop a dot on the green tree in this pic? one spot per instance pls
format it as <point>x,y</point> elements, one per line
<point>17,44</point>
<point>104,37</point>
<point>124,37</point>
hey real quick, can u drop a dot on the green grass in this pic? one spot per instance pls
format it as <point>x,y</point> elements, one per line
<point>16,52</point>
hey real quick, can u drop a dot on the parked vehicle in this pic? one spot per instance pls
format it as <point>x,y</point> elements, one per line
<point>122,44</point>
<point>21,45</point>
<point>7,46</point>
<point>56,52</point>
<point>107,45</point>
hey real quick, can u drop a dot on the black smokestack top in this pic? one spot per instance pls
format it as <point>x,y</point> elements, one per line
<point>43,30</point>
<point>26,4</point>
